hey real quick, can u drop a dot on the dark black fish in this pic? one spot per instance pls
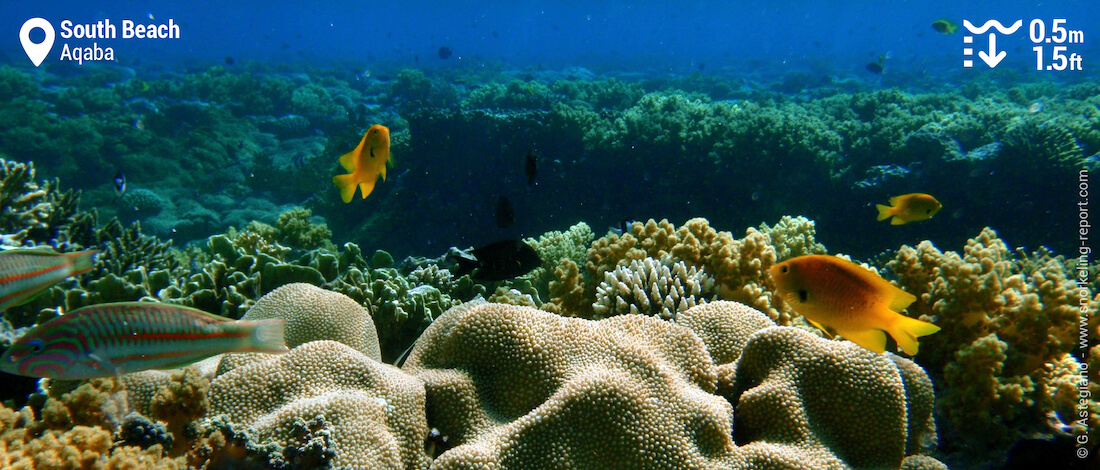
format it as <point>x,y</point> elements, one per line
<point>532,167</point>
<point>879,65</point>
<point>229,60</point>
<point>444,52</point>
<point>504,214</point>
<point>120,186</point>
<point>498,261</point>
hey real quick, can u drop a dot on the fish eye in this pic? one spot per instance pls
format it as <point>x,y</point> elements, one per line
<point>36,346</point>
<point>783,269</point>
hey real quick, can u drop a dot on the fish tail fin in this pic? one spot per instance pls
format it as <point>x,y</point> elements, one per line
<point>83,261</point>
<point>466,265</point>
<point>906,330</point>
<point>884,212</point>
<point>267,336</point>
<point>347,185</point>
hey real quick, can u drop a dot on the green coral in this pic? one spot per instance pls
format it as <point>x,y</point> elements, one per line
<point>513,95</point>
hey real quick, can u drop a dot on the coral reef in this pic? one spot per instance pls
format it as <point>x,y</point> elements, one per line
<point>784,387</point>
<point>738,267</point>
<point>34,213</point>
<point>652,287</point>
<point>372,413</point>
<point>509,386</point>
<point>314,314</point>
<point>1009,325</point>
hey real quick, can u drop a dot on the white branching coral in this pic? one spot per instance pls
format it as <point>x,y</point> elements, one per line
<point>652,287</point>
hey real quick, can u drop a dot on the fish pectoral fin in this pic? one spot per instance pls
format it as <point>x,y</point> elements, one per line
<point>819,326</point>
<point>103,363</point>
<point>870,338</point>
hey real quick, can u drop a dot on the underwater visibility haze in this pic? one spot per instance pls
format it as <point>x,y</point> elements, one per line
<point>537,235</point>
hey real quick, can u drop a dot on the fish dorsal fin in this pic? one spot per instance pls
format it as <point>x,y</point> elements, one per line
<point>872,339</point>
<point>895,200</point>
<point>901,299</point>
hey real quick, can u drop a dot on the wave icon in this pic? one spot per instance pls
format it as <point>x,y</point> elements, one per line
<point>993,24</point>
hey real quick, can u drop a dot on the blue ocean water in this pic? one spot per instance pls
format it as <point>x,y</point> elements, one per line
<point>645,36</point>
<point>800,49</point>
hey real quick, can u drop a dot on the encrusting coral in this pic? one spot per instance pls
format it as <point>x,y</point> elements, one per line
<point>314,314</point>
<point>373,413</point>
<point>833,403</point>
<point>515,387</point>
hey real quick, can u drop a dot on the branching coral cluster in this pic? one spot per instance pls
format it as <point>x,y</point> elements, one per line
<point>738,266</point>
<point>1011,323</point>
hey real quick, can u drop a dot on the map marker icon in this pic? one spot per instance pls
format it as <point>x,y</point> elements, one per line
<point>36,52</point>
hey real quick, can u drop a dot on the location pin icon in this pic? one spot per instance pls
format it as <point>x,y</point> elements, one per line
<point>36,52</point>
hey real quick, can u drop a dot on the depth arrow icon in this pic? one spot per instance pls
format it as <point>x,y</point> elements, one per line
<point>993,57</point>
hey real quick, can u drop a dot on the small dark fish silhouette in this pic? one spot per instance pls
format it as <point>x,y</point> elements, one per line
<point>444,52</point>
<point>498,261</point>
<point>229,60</point>
<point>120,186</point>
<point>878,66</point>
<point>532,167</point>
<point>504,214</point>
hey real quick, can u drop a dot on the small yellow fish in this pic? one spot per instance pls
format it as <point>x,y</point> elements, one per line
<point>944,26</point>
<point>907,208</point>
<point>851,299</point>
<point>365,164</point>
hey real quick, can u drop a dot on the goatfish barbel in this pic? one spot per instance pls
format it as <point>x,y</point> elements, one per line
<point>117,338</point>
<point>26,273</point>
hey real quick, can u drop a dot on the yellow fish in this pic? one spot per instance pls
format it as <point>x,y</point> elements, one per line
<point>907,208</point>
<point>365,164</point>
<point>854,301</point>
<point>944,26</point>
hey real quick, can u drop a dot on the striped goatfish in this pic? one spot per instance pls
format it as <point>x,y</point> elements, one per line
<point>26,273</point>
<point>117,338</point>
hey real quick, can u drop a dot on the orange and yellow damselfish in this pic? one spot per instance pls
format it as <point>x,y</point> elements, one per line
<point>907,208</point>
<point>365,164</point>
<point>851,299</point>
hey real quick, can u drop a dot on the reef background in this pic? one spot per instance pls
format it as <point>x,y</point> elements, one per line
<point>725,121</point>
